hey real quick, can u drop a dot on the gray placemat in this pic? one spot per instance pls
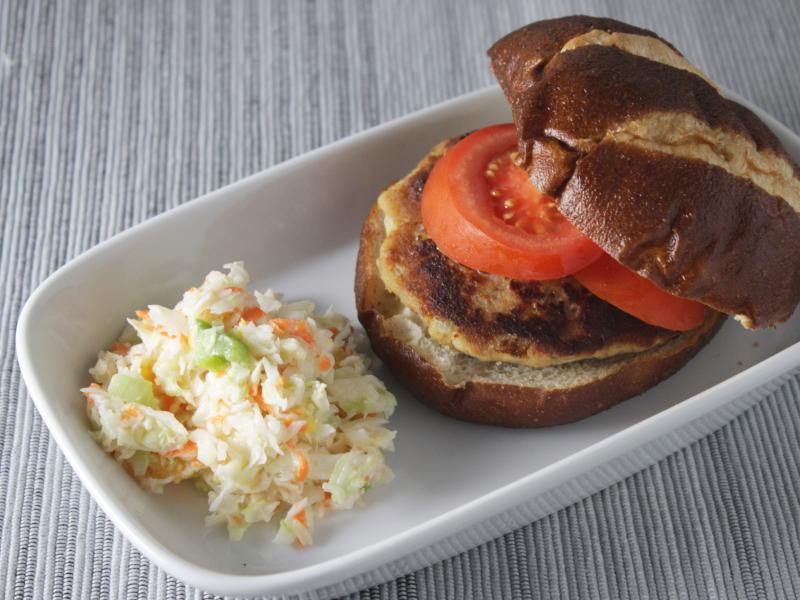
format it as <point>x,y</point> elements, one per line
<point>113,112</point>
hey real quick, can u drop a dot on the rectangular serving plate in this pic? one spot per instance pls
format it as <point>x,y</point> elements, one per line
<point>457,484</point>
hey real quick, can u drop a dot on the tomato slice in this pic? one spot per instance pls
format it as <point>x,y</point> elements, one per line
<point>640,297</point>
<point>482,211</point>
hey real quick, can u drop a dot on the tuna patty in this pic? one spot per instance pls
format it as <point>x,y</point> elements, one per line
<point>490,317</point>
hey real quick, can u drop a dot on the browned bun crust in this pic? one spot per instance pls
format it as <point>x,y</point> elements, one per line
<point>529,48</point>
<point>508,404</point>
<point>624,87</point>
<point>649,160</point>
<point>712,249</point>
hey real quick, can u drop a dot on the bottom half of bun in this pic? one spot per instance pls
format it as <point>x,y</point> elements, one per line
<point>500,393</point>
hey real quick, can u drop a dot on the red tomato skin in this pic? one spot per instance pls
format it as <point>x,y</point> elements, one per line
<point>640,297</point>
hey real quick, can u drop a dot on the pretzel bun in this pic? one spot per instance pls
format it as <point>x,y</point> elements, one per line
<point>647,158</point>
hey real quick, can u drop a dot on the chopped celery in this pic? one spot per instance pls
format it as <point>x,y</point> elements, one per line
<point>205,354</point>
<point>205,342</point>
<point>212,363</point>
<point>215,349</point>
<point>132,389</point>
<point>232,349</point>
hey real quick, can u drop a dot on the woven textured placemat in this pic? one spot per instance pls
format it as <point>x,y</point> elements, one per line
<point>113,112</point>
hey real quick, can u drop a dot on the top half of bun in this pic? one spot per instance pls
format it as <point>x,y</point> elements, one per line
<point>648,159</point>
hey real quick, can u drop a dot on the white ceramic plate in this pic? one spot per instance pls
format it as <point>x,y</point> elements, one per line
<point>296,226</point>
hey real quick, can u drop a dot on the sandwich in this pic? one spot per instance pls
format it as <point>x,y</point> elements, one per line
<point>537,272</point>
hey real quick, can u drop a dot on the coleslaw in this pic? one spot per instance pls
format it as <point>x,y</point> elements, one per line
<point>266,405</point>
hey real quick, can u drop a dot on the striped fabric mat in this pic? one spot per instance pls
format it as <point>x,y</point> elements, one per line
<point>112,112</point>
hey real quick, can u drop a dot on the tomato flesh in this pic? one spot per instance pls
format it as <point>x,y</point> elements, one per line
<point>640,297</point>
<point>482,211</point>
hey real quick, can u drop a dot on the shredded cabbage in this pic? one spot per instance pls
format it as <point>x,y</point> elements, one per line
<point>266,405</point>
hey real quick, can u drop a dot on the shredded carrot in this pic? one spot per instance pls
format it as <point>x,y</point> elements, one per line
<point>89,399</point>
<point>130,413</point>
<point>294,328</point>
<point>142,314</point>
<point>279,326</point>
<point>334,331</point>
<point>300,517</point>
<point>302,466</point>
<point>234,288</point>
<point>253,314</point>
<point>325,363</point>
<point>255,396</point>
<point>167,402</point>
<point>327,501</point>
<point>187,450</point>
<point>147,372</point>
<point>304,333</point>
<point>120,348</point>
